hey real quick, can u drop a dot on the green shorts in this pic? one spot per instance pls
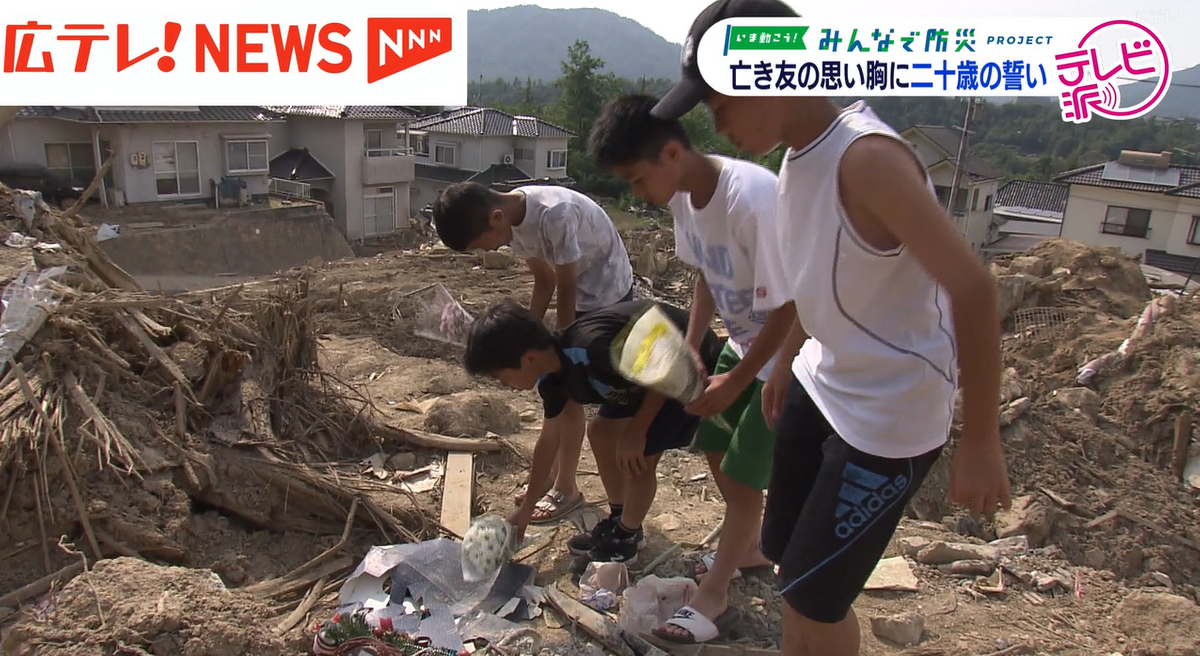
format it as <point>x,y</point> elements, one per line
<point>749,450</point>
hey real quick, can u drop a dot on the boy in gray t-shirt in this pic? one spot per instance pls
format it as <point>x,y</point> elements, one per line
<point>571,246</point>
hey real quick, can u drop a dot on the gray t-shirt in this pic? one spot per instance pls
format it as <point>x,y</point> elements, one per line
<point>562,226</point>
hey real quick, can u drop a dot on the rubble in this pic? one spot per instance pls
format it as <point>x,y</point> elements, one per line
<point>905,629</point>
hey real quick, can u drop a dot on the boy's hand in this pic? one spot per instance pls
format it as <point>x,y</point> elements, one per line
<point>722,391</point>
<point>979,475</point>
<point>631,448</point>
<point>520,518</point>
<point>774,393</point>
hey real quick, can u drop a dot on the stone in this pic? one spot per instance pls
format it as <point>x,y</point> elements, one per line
<point>662,262</point>
<point>1079,399</point>
<point>943,553</point>
<point>402,461</point>
<point>1010,290</point>
<point>439,385</point>
<point>668,522</point>
<point>528,416</point>
<point>1010,386</point>
<point>1014,410</point>
<point>1030,264</point>
<point>967,568</point>
<point>1159,619</point>
<point>496,260</point>
<point>647,267</point>
<point>1028,517</point>
<point>893,574</point>
<point>1015,545</point>
<point>904,629</point>
<point>913,544</point>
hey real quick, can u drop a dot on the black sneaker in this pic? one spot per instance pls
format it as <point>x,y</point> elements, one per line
<point>612,549</point>
<point>582,544</point>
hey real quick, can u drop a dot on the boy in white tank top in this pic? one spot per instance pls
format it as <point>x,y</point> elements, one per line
<point>887,297</point>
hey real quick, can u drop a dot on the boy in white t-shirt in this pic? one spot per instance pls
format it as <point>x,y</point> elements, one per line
<point>573,248</point>
<point>892,297</point>
<point>720,205</point>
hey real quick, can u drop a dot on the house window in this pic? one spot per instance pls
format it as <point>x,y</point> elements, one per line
<point>524,154</point>
<point>556,159</point>
<point>373,143</point>
<point>975,200</point>
<point>379,211</point>
<point>1126,221</point>
<point>419,144</point>
<point>248,156</point>
<point>176,168</point>
<point>75,161</point>
<point>1194,232</point>
<point>987,203</point>
<point>446,154</point>
<point>960,199</point>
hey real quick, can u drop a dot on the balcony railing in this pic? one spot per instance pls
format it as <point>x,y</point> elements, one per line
<point>289,188</point>
<point>388,152</point>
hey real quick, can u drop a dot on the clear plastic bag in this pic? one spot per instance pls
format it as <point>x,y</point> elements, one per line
<point>27,301</point>
<point>438,316</point>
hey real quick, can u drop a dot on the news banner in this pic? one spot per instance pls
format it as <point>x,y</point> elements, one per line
<point>1081,62</point>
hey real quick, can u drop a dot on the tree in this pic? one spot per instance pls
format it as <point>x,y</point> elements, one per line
<point>584,88</point>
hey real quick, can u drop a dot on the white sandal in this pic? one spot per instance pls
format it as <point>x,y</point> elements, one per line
<point>700,628</point>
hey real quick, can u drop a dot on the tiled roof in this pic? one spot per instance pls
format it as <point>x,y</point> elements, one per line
<point>353,112</point>
<point>1189,181</point>
<point>298,164</point>
<point>442,173</point>
<point>489,122</point>
<point>207,114</point>
<point>1041,197</point>
<point>499,173</point>
<point>947,139</point>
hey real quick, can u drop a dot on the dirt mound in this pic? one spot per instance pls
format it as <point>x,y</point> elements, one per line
<point>128,606</point>
<point>473,414</point>
<point>1096,451</point>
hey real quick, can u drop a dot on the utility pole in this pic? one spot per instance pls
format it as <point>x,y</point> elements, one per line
<point>958,169</point>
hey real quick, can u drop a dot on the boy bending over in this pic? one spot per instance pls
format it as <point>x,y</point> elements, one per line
<point>894,301</point>
<point>571,246</point>
<point>631,430</point>
<point>720,205</point>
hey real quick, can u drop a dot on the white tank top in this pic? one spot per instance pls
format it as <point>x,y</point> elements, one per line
<point>882,364</point>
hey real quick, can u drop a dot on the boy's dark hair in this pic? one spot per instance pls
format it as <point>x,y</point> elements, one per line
<point>626,132</point>
<point>501,336</point>
<point>460,214</point>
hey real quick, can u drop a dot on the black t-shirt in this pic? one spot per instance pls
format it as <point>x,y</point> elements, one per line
<point>585,349</point>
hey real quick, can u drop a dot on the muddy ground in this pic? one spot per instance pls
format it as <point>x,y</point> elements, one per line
<point>1114,564</point>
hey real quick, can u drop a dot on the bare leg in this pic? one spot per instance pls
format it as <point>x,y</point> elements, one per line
<point>639,494</point>
<point>602,436</point>
<point>739,540</point>
<point>804,637</point>
<point>569,449</point>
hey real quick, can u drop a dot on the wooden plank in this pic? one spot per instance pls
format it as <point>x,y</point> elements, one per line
<point>612,636</point>
<point>458,492</point>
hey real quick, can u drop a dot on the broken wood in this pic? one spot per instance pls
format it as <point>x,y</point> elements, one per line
<point>618,641</point>
<point>286,585</point>
<point>1183,442</point>
<point>138,331</point>
<point>1161,530</point>
<point>41,586</point>
<point>297,616</point>
<point>97,180</point>
<point>441,442</point>
<point>328,553</point>
<point>458,493</point>
<point>1106,517</point>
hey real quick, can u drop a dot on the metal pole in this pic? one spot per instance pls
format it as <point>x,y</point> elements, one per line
<point>958,167</point>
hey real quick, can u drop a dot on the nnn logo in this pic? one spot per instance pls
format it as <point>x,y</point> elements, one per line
<point>397,44</point>
<point>864,495</point>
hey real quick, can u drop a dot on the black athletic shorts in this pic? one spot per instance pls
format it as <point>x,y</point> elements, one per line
<point>671,428</point>
<point>831,510</point>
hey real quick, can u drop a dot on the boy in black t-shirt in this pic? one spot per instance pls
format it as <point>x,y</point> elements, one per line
<point>631,430</point>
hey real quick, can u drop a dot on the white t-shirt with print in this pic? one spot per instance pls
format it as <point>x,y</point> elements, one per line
<point>721,240</point>
<point>563,226</point>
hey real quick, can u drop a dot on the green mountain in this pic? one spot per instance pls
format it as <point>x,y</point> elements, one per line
<point>530,42</point>
<point>1181,101</point>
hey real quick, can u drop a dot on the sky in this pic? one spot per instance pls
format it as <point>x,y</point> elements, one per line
<point>1175,21</point>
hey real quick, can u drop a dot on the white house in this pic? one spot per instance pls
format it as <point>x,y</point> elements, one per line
<point>485,145</point>
<point>1025,213</point>
<point>1141,203</point>
<point>937,148</point>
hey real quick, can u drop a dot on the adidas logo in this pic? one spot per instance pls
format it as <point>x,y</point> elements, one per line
<point>864,495</point>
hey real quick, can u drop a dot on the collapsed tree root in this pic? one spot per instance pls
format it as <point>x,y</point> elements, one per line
<point>123,406</point>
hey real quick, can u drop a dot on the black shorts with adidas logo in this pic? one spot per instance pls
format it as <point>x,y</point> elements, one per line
<point>831,510</point>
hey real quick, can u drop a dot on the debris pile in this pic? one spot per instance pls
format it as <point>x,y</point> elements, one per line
<point>1098,390</point>
<point>125,413</point>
